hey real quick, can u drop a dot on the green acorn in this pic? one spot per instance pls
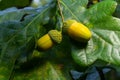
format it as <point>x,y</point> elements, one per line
<point>49,39</point>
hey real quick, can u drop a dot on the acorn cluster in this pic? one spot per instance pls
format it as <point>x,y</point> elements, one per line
<point>72,28</point>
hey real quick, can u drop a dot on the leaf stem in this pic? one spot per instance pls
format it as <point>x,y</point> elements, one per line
<point>61,14</point>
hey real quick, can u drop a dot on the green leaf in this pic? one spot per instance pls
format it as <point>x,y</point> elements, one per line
<point>101,11</point>
<point>108,35</point>
<point>19,59</point>
<point>95,46</point>
<point>72,8</point>
<point>104,44</point>
<point>85,56</point>
<point>9,49</point>
<point>16,38</point>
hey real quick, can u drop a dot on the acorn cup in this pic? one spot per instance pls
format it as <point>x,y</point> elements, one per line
<point>77,31</point>
<point>49,39</point>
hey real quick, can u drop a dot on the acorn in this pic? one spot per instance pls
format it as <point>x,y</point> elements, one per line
<point>49,39</point>
<point>77,30</point>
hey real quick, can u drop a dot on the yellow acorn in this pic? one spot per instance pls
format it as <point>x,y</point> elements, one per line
<point>77,30</point>
<point>49,39</point>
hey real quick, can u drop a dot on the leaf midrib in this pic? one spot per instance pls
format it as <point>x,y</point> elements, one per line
<point>69,10</point>
<point>3,50</point>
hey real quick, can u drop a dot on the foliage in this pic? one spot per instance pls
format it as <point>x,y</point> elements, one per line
<point>21,28</point>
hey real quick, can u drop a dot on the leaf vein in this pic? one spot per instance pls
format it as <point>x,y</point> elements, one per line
<point>69,10</point>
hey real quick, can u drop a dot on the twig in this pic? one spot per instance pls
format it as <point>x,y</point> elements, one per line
<point>60,10</point>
